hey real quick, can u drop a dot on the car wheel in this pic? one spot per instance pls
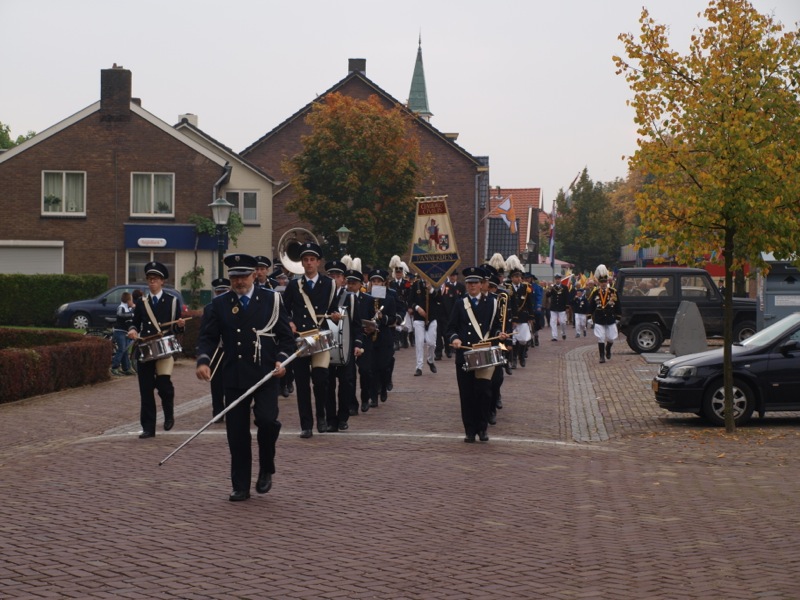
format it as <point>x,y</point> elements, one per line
<point>743,403</point>
<point>80,321</point>
<point>645,337</point>
<point>743,330</point>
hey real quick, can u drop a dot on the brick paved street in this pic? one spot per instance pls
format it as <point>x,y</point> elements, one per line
<point>586,490</point>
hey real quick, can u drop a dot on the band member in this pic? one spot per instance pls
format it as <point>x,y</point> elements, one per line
<point>262,272</point>
<point>307,297</point>
<point>156,314</point>
<point>452,290</point>
<point>220,286</point>
<point>476,318</point>
<point>559,298</point>
<point>344,375</point>
<point>422,299</point>
<point>580,308</point>
<point>521,312</point>
<point>498,378</point>
<point>538,307</point>
<point>253,326</point>
<point>401,286</point>
<point>385,309</point>
<point>365,353</point>
<point>606,309</point>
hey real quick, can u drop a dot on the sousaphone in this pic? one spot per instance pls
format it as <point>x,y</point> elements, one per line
<point>290,245</point>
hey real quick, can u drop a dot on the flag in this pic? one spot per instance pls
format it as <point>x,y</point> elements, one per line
<point>553,239</point>
<point>506,210</point>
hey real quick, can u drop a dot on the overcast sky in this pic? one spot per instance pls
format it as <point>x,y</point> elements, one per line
<point>529,83</point>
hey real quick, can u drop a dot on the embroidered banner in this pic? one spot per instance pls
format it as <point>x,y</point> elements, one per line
<point>433,253</point>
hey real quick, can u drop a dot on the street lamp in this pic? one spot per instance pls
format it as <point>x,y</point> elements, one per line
<point>344,235</point>
<point>530,246</point>
<point>221,212</point>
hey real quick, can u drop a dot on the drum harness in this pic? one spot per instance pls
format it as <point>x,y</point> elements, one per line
<point>266,331</point>
<point>475,325</point>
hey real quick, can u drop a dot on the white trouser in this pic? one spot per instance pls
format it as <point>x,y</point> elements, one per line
<point>556,319</point>
<point>407,324</point>
<point>424,340</point>
<point>605,333</point>
<point>580,323</point>
<point>523,333</point>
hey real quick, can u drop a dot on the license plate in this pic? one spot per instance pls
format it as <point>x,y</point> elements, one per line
<point>655,385</point>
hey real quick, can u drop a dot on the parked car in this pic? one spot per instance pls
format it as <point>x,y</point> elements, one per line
<point>650,297</point>
<point>766,376</point>
<point>101,311</point>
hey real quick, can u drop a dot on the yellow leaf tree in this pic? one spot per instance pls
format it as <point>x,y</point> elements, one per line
<point>719,140</point>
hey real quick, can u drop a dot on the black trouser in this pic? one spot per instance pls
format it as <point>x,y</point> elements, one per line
<point>382,365</point>
<point>217,394</point>
<point>304,377</point>
<point>365,368</point>
<point>498,377</point>
<point>346,377</point>
<point>237,425</point>
<point>475,395</point>
<point>149,382</point>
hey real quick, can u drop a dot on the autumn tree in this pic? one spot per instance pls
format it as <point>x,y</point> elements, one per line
<point>719,136</point>
<point>359,168</point>
<point>588,229</point>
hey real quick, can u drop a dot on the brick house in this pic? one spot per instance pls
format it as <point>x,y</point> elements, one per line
<point>462,177</point>
<point>112,186</point>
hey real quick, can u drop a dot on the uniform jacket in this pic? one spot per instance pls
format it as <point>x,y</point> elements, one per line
<point>559,298</point>
<point>580,304</point>
<point>225,319</point>
<point>520,303</point>
<point>322,298</point>
<point>168,309</point>
<point>460,325</point>
<point>605,305</point>
<point>421,295</point>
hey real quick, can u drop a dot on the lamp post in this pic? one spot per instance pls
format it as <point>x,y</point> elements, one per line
<point>530,246</point>
<point>221,212</point>
<point>344,235</point>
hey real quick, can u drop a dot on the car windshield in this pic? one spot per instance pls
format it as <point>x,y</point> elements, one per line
<point>774,332</point>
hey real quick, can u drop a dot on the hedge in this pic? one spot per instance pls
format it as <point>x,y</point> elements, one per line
<point>32,300</point>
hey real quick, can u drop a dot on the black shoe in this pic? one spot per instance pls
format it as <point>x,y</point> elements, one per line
<point>332,429</point>
<point>384,396</point>
<point>483,436</point>
<point>373,403</point>
<point>264,483</point>
<point>608,353</point>
<point>521,361</point>
<point>306,433</point>
<point>507,368</point>
<point>169,424</point>
<point>448,354</point>
<point>147,434</point>
<point>353,411</point>
<point>470,439</point>
<point>499,403</point>
<point>418,372</point>
<point>322,426</point>
<point>602,359</point>
<point>364,406</point>
<point>344,426</point>
<point>432,367</point>
<point>290,387</point>
<point>389,386</point>
<point>492,418</point>
<point>536,341</point>
<point>238,496</point>
<point>285,392</point>
<point>437,356</point>
<point>563,337</point>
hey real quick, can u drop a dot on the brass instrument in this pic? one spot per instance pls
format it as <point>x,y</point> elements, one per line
<point>503,301</point>
<point>289,247</point>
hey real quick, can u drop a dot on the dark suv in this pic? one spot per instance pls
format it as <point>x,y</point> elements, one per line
<point>650,298</point>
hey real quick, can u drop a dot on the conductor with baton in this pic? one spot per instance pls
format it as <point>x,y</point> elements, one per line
<point>253,325</point>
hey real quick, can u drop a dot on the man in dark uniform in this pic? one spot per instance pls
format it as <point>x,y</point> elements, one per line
<point>220,286</point>
<point>521,311</point>
<point>262,271</point>
<point>559,298</point>
<point>365,353</point>
<point>475,319</point>
<point>384,344</point>
<point>343,374</point>
<point>253,326</point>
<point>606,309</point>
<point>307,297</point>
<point>422,302</point>
<point>498,378</point>
<point>400,285</point>
<point>452,290</point>
<point>150,317</point>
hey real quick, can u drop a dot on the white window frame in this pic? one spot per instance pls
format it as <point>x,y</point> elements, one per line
<point>239,204</point>
<point>152,212</point>
<point>66,209</point>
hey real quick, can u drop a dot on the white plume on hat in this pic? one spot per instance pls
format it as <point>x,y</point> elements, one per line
<point>513,263</point>
<point>356,264</point>
<point>404,266</point>
<point>347,261</point>
<point>395,262</point>
<point>601,271</point>
<point>497,261</point>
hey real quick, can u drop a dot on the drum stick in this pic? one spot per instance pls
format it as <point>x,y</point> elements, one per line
<point>175,321</point>
<point>230,406</point>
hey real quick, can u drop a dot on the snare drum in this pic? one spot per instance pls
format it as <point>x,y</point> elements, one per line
<point>479,358</point>
<point>315,341</point>
<point>340,353</point>
<point>159,348</point>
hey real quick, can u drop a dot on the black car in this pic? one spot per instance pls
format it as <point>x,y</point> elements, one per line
<point>101,311</point>
<point>766,376</point>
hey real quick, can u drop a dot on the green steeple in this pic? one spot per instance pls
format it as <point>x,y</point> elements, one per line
<point>418,96</point>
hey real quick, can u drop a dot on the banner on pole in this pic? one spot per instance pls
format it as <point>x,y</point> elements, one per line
<point>434,253</point>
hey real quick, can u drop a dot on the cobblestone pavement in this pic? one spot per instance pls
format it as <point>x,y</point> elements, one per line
<point>585,490</point>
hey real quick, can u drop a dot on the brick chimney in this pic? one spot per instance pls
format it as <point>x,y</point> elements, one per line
<point>115,94</point>
<point>357,65</point>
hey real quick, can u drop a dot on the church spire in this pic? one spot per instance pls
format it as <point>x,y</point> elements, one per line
<point>418,96</point>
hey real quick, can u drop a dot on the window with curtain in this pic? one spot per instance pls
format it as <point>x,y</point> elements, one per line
<point>152,194</point>
<point>245,203</point>
<point>64,193</point>
<point>137,259</point>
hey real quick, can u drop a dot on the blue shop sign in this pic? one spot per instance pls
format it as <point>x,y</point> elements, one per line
<point>172,237</point>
